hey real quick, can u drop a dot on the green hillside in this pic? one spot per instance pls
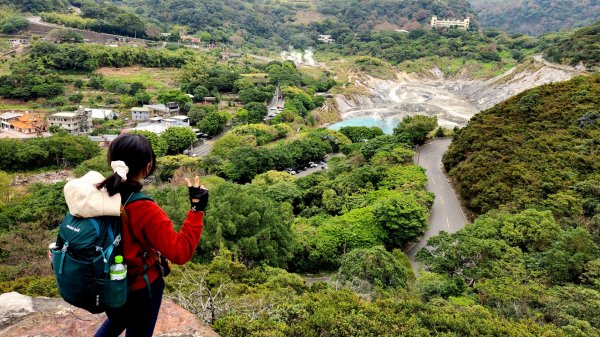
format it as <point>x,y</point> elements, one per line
<point>536,150</point>
<point>536,17</point>
<point>382,14</point>
<point>260,23</point>
<point>38,5</point>
<point>583,45</point>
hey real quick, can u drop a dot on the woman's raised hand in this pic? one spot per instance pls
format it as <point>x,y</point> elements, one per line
<point>198,194</point>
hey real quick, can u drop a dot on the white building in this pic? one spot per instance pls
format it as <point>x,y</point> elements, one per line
<point>159,125</point>
<point>140,114</point>
<point>79,121</point>
<point>103,114</point>
<point>326,39</point>
<point>462,24</point>
<point>17,42</point>
<point>182,119</point>
<point>8,117</point>
<point>162,110</point>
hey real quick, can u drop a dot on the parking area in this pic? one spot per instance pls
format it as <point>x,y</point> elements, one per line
<point>311,167</point>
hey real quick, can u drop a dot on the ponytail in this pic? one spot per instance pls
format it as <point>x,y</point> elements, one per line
<point>128,156</point>
<point>112,184</point>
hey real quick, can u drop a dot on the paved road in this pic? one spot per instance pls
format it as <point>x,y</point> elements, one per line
<point>311,170</point>
<point>203,149</point>
<point>446,213</point>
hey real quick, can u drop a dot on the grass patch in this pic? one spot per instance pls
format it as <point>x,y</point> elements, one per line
<point>4,70</point>
<point>256,77</point>
<point>4,47</point>
<point>30,106</point>
<point>154,79</point>
<point>305,17</point>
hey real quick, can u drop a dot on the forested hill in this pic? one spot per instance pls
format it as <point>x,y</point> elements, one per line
<point>261,23</point>
<point>583,45</point>
<point>283,21</point>
<point>38,5</point>
<point>536,17</point>
<point>384,14</point>
<point>536,150</point>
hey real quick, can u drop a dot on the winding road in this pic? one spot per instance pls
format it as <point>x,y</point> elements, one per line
<point>446,213</point>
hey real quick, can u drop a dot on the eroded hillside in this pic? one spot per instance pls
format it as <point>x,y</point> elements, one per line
<point>453,99</point>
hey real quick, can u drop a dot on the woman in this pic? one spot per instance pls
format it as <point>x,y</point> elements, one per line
<point>147,231</point>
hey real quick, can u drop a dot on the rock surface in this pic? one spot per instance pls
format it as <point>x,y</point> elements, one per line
<point>25,316</point>
<point>453,100</point>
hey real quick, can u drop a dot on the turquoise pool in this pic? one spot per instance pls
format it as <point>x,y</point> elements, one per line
<point>387,125</point>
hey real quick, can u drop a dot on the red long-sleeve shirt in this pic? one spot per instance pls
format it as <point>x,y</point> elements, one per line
<point>150,228</point>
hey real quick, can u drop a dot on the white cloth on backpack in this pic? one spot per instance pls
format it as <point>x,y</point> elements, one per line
<point>85,200</point>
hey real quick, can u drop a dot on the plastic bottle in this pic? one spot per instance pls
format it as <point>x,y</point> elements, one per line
<point>118,271</point>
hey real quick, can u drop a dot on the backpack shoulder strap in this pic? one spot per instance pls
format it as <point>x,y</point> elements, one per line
<point>135,196</point>
<point>125,222</point>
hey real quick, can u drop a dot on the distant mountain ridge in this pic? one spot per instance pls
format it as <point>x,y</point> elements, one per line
<point>536,17</point>
<point>262,23</point>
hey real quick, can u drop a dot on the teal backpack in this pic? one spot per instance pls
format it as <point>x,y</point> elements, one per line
<point>85,249</point>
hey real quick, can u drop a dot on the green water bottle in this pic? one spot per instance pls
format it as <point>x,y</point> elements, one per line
<point>118,271</point>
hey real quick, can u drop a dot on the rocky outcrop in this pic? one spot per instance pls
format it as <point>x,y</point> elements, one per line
<point>44,178</point>
<point>26,316</point>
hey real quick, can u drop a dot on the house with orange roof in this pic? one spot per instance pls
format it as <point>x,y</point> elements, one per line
<point>28,124</point>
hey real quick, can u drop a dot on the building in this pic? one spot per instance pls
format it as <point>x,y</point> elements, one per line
<point>79,121</point>
<point>183,120</point>
<point>326,39</point>
<point>103,114</point>
<point>159,125</point>
<point>103,140</point>
<point>140,114</point>
<point>461,24</point>
<point>28,124</point>
<point>17,42</point>
<point>162,110</point>
<point>209,100</point>
<point>8,117</point>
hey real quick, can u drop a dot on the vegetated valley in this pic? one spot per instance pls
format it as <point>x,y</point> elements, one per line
<point>307,227</point>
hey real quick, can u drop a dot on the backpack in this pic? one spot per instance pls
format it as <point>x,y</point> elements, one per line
<point>85,249</point>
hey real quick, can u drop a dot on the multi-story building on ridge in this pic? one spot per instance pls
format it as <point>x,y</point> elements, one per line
<point>462,24</point>
<point>140,113</point>
<point>79,121</point>
<point>162,110</point>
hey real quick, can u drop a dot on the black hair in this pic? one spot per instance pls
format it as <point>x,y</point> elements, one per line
<point>136,152</point>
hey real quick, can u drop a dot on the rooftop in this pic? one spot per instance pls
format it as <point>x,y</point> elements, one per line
<point>156,128</point>
<point>103,138</point>
<point>155,106</point>
<point>180,117</point>
<point>9,115</point>
<point>140,109</point>
<point>100,113</point>
<point>64,114</point>
<point>21,125</point>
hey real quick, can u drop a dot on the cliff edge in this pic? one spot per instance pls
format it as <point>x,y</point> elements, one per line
<point>22,315</point>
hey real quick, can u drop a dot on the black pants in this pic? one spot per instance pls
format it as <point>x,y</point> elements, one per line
<point>138,315</point>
